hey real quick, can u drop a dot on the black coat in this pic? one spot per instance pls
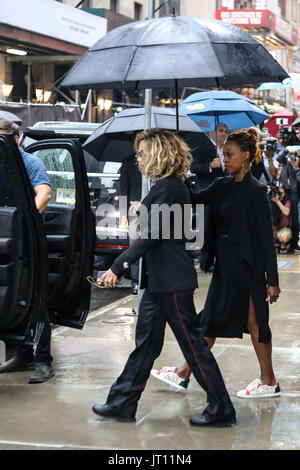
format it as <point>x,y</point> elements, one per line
<point>167,265</point>
<point>201,167</point>
<point>130,181</point>
<point>251,227</point>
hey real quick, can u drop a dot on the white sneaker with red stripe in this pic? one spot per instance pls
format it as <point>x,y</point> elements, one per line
<point>169,376</point>
<point>258,389</point>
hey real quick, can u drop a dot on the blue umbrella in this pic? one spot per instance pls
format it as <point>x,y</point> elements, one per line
<point>222,107</point>
<point>288,83</point>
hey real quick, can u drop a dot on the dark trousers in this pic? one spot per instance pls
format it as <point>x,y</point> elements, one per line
<point>293,195</point>
<point>42,353</point>
<point>179,311</point>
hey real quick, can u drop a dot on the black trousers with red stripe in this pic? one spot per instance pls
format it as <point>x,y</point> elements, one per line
<point>178,310</point>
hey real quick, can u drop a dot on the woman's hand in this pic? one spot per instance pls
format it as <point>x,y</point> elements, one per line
<point>108,279</point>
<point>134,206</point>
<point>273,293</point>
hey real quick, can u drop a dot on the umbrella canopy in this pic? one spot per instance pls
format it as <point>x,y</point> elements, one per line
<point>222,107</point>
<point>193,51</point>
<point>113,140</point>
<point>278,120</point>
<point>11,117</point>
<point>287,83</point>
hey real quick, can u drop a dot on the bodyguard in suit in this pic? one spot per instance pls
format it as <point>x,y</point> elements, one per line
<point>169,279</point>
<point>130,182</point>
<point>209,165</point>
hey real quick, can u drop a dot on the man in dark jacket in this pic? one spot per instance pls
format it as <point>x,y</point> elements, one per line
<point>209,165</point>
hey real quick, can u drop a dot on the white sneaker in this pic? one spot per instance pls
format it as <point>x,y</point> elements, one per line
<point>258,389</point>
<point>169,376</point>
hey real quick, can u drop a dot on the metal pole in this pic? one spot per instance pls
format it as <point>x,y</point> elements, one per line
<point>148,101</point>
<point>28,82</point>
<point>176,99</point>
<point>86,104</point>
<point>147,125</point>
<point>148,105</point>
<point>90,107</point>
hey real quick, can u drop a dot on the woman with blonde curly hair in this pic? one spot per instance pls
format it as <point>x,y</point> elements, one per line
<point>169,279</point>
<point>240,240</point>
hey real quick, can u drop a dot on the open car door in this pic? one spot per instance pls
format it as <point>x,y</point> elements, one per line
<point>70,231</point>
<point>23,250</point>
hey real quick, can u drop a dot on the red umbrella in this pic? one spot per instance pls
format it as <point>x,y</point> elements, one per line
<point>280,119</point>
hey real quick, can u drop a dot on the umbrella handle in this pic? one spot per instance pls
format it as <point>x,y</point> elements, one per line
<point>176,100</point>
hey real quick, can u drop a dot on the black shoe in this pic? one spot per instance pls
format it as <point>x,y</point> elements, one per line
<point>42,373</point>
<point>221,419</point>
<point>107,411</point>
<point>17,364</point>
<point>134,288</point>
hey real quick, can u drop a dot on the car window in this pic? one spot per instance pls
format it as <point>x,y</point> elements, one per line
<point>59,165</point>
<point>103,177</point>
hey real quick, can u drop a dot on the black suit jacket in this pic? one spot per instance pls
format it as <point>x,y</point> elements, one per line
<point>250,228</point>
<point>201,167</point>
<point>167,265</point>
<point>130,181</point>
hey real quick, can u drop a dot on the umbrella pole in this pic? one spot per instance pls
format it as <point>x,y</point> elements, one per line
<point>216,134</point>
<point>176,100</point>
<point>147,125</point>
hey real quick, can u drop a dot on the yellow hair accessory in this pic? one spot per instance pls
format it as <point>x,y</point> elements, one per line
<point>258,155</point>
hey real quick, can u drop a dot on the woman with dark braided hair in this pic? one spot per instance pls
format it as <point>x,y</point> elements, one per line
<point>239,238</point>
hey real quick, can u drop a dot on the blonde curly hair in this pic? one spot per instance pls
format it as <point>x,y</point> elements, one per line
<point>167,154</point>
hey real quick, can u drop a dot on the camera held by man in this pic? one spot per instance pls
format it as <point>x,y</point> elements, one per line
<point>287,136</point>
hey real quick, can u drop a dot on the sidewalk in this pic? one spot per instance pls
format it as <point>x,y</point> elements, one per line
<point>57,414</point>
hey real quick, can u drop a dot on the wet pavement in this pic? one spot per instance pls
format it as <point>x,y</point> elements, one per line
<point>57,414</point>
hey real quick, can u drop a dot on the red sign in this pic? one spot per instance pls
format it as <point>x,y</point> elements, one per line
<point>260,19</point>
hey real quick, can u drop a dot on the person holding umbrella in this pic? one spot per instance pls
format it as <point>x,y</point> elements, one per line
<point>168,298</point>
<point>245,276</point>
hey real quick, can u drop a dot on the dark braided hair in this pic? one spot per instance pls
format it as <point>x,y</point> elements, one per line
<point>247,141</point>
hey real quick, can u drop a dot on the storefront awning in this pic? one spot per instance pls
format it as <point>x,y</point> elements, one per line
<point>29,20</point>
<point>277,31</point>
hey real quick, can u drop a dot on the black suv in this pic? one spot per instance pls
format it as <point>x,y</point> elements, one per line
<point>44,260</point>
<point>103,178</point>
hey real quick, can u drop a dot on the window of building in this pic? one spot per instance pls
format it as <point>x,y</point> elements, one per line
<point>169,7</point>
<point>137,11</point>
<point>114,5</point>
<point>244,4</point>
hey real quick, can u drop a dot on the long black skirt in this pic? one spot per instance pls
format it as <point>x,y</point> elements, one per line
<point>226,309</point>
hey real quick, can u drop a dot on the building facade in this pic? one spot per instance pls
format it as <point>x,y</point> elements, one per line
<point>39,39</point>
<point>51,46</point>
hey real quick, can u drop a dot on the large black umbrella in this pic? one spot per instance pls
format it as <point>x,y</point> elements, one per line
<point>113,140</point>
<point>191,51</point>
<point>10,116</point>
